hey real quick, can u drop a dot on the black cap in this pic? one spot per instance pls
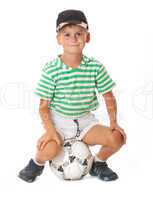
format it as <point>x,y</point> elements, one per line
<point>71,17</point>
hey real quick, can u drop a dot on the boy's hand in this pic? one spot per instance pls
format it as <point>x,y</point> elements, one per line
<point>47,137</point>
<point>115,126</point>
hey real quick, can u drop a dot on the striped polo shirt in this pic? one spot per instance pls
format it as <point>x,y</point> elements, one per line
<point>72,91</point>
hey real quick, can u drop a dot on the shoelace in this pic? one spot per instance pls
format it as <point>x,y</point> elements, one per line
<point>102,165</point>
<point>102,168</point>
<point>28,167</point>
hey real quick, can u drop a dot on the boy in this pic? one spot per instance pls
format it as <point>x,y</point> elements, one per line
<point>67,97</point>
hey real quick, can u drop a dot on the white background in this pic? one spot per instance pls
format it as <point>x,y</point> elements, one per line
<point>121,38</point>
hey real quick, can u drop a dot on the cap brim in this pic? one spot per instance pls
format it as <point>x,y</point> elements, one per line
<point>82,24</point>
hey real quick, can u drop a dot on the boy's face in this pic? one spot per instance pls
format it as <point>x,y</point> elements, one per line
<point>73,39</point>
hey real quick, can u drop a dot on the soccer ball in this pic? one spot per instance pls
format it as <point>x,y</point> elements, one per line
<point>73,162</point>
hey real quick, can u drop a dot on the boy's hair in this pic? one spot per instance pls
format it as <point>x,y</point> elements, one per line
<point>73,17</point>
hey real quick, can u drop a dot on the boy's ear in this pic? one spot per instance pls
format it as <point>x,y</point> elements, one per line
<point>58,39</point>
<point>88,38</point>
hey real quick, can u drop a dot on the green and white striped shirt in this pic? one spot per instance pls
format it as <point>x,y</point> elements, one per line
<point>72,91</point>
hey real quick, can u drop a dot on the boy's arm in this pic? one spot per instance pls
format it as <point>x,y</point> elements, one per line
<point>111,106</point>
<point>51,133</point>
<point>45,115</point>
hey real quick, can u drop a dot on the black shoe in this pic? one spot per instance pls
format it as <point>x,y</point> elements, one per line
<point>31,171</point>
<point>102,171</point>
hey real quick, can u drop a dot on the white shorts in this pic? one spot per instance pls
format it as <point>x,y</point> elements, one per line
<point>71,128</point>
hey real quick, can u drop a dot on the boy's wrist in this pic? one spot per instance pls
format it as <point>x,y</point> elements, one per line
<point>49,128</point>
<point>113,122</point>
<point>50,132</point>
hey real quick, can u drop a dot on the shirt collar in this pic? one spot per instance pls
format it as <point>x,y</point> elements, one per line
<point>84,62</point>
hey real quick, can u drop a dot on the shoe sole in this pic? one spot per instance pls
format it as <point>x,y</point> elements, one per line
<point>104,178</point>
<point>92,174</point>
<point>27,179</point>
<point>107,179</point>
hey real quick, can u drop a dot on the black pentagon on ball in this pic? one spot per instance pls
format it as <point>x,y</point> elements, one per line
<point>71,158</point>
<point>67,144</point>
<point>60,169</point>
<point>85,162</point>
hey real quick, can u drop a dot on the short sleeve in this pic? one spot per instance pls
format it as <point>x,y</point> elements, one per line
<point>45,86</point>
<point>104,83</point>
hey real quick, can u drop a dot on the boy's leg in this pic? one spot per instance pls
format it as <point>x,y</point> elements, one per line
<point>103,135</point>
<point>111,142</point>
<point>50,150</point>
<point>35,166</point>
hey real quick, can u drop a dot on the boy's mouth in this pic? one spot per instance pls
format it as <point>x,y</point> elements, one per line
<point>74,44</point>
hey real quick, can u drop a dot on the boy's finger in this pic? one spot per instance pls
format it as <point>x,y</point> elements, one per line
<point>124,137</point>
<point>123,134</point>
<point>122,131</point>
<point>38,144</point>
<point>58,142</point>
<point>42,145</point>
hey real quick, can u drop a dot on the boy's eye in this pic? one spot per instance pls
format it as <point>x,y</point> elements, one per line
<point>67,35</point>
<point>78,34</point>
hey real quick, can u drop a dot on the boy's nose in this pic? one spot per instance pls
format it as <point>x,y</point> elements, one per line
<point>73,38</point>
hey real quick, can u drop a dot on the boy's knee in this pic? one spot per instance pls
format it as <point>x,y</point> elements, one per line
<point>50,151</point>
<point>117,139</point>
